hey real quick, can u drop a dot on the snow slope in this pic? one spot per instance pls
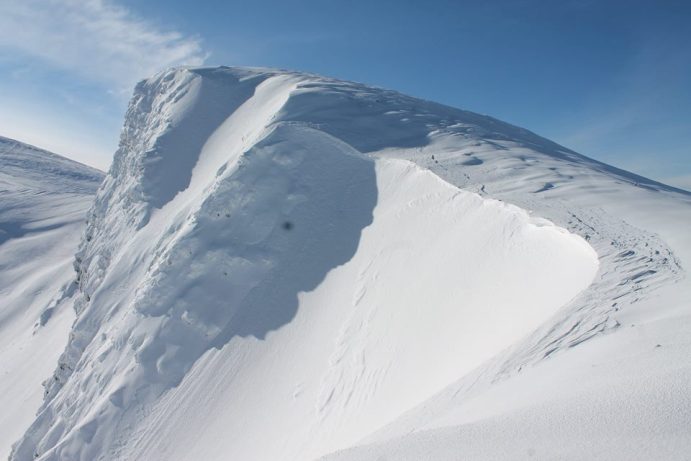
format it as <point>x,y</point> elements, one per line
<point>284,266</point>
<point>43,202</point>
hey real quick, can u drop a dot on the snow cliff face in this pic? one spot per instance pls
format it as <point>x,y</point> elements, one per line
<point>280,266</point>
<point>43,203</point>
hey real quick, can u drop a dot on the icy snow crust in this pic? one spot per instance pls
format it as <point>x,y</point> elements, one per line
<point>43,202</point>
<point>283,266</point>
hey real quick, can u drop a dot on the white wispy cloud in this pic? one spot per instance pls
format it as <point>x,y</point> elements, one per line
<point>97,39</point>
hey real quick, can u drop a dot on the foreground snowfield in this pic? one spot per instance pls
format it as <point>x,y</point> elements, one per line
<point>43,202</point>
<point>283,266</point>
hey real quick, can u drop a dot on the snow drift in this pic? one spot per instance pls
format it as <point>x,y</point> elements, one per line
<point>282,266</point>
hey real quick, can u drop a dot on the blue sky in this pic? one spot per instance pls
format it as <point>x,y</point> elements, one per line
<point>610,79</point>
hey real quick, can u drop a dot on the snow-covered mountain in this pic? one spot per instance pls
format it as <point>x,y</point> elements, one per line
<point>284,266</point>
<point>43,201</point>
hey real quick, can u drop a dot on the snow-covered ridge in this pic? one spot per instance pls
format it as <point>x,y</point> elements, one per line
<point>48,171</point>
<point>277,243</point>
<point>43,203</point>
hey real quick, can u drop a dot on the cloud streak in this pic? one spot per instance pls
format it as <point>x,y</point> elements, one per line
<point>97,39</point>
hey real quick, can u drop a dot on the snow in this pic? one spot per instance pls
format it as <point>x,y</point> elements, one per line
<point>284,266</point>
<point>44,201</point>
<point>341,361</point>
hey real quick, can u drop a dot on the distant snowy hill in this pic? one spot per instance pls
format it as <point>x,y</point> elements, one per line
<point>281,266</point>
<point>43,203</point>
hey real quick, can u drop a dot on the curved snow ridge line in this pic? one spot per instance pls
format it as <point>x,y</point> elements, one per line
<point>534,221</point>
<point>590,314</point>
<point>341,386</point>
<point>634,263</point>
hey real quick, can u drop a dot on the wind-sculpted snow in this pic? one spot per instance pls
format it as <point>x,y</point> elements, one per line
<point>182,110</point>
<point>381,120</point>
<point>638,229</point>
<point>281,266</point>
<point>292,210</point>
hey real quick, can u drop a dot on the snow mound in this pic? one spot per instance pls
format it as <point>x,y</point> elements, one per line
<point>281,266</point>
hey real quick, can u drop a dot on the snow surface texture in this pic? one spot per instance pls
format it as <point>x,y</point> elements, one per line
<point>284,266</point>
<point>43,202</point>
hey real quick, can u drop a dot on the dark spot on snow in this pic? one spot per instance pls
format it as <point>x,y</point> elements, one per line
<point>643,274</point>
<point>287,225</point>
<point>46,315</point>
<point>547,186</point>
<point>658,345</point>
<point>472,161</point>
